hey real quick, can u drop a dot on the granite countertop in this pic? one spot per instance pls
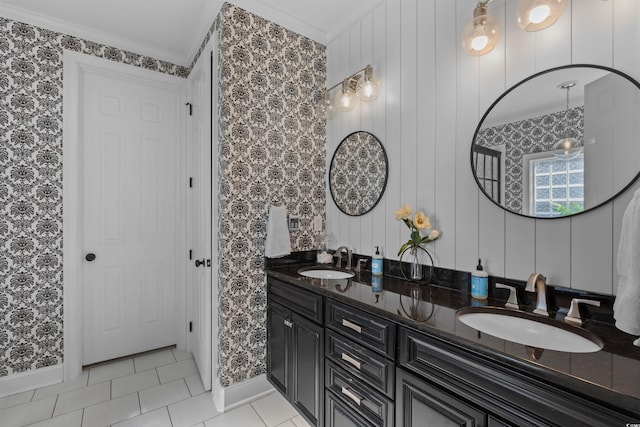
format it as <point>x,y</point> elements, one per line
<point>611,375</point>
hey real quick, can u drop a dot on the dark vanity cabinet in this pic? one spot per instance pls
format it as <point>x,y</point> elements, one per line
<point>360,367</point>
<point>341,365</point>
<point>295,348</point>
<point>451,382</point>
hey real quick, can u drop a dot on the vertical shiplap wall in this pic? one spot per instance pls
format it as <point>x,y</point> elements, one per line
<point>433,96</point>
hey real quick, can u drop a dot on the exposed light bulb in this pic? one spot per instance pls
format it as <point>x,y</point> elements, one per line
<point>325,106</point>
<point>367,89</point>
<point>346,99</point>
<point>479,42</point>
<point>536,15</point>
<point>567,149</point>
<point>539,14</point>
<point>368,86</point>
<point>482,33</point>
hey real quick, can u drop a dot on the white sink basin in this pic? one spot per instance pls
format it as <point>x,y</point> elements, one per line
<point>527,329</point>
<point>325,273</point>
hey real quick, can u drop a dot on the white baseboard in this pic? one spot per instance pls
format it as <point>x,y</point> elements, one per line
<point>226,398</point>
<point>29,380</point>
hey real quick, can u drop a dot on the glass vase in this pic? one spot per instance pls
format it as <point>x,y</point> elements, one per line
<point>416,267</point>
<point>415,271</point>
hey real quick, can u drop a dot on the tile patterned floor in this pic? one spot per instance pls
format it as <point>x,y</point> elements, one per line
<point>160,388</point>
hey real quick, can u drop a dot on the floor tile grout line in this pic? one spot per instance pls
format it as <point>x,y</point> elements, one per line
<point>257,412</point>
<point>169,412</point>
<point>53,411</point>
<point>187,386</point>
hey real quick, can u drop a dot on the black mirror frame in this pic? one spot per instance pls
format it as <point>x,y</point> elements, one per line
<point>515,86</point>
<point>386,174</point>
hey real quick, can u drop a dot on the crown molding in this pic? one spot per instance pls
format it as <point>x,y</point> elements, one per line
<point>61,26</point>
<point>264,10</point>
<point>202,27</point>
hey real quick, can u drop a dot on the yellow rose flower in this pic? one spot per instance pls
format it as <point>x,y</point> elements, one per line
<point>421,221</point>
<point>403,212</point>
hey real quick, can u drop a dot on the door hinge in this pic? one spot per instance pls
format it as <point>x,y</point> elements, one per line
<point>190,182</point>
<point>190,254</point>
<point>190,326</point>
<point>190,108</point>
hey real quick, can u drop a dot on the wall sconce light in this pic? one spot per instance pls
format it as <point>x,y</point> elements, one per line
<point>346,99</point>
<point>481,34</point>
<point>361,85</point>
<point>535,15</point>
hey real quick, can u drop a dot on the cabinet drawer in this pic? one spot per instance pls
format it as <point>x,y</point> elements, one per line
<point>340,415</point>
<point>373,331</point>
<point>369,366</point>
<point>371,404</point>
<point>302,302</point>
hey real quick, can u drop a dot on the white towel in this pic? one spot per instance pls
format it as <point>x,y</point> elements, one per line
<point>278,243</point>
<point>626,309</point>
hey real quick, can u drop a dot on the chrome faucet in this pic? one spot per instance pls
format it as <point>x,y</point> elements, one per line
<point>537,283</point>
<point>338,253</point>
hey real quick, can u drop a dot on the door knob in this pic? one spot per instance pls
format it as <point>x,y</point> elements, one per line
<point>90,257</point>
<point>200,263</point>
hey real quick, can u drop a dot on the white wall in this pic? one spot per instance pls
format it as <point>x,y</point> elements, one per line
<point>433,96</point>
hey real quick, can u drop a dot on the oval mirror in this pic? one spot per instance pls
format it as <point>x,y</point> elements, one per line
<point>561,142</point>
<point>358,173</point>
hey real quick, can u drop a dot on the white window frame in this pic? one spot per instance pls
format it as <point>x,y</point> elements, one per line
<point>528,196</point>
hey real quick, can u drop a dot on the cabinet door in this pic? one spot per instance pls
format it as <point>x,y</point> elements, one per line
<point>307,369</point>
<point>340,415</point>
<point>420,404</point>
<point>278,347</point>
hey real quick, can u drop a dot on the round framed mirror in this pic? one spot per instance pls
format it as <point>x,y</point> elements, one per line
<point>358,173</point>
<point>559,143</point>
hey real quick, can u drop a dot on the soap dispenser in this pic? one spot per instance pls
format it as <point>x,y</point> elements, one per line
<point>376,263</point>
<point>479,282</point>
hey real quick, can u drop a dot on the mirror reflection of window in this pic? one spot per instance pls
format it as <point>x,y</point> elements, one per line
<point>553,187</point>
<point>600,112</point>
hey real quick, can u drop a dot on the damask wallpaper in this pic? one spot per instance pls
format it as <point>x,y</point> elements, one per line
<point>358,173</point>
<point>272,151</point>
<point>535,135</point>
<point>31,188</point>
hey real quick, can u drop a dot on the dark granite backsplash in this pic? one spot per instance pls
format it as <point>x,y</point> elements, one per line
<point>558,298</point>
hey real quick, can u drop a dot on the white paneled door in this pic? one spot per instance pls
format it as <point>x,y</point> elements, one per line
<point>130,139</point>
<point>199,288</point>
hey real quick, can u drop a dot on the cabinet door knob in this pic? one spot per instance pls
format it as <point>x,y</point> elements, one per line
<point>288,323</point>
<point>200,263</point>
<point>90,257</point>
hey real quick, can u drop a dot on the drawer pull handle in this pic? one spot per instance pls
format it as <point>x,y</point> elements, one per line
<point>351,395</point>
<point>352,325</point>
<point>287,323</point>
<point>351,360</point>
